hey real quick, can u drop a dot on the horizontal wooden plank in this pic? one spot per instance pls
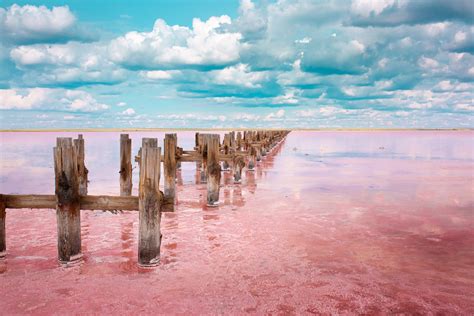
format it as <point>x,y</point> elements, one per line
<point>109,203</point>
<point>88,202</point>
<point>30,201</point>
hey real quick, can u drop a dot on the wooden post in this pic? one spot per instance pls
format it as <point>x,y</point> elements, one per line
<point>226,144</point>
<point>213,169</point>
<point>169,166</point>
<point>149,142</point>
<point>67,202</point>
<point>251,163</point>
<point>149,207</point>
<point>125,165</point>
<point>198,148</point>
<point>81,167</point>
<point>257,153</point>
<point>3,236</point>
<point>202,165</point>
<point>239,141</point>
<point>238,165</point>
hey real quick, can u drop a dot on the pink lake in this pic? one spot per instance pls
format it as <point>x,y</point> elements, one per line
<point>329,223</point>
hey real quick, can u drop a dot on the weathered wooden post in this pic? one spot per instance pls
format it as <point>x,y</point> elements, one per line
<point>226,151</point>
<point>3,235</point>
<point>179,153</point>
<point>213,169</point>
<point>264,141</point>
<point>81,167</point>
<point>258,155</point>
<point>169,166</point>
<point>125,165</point>
<point>239,141</point>
<point>198,148</point>
<point>251,163</point>
<point>149,142</point>
<point>149,206</point>
<point>238,165</point>
<point>67,201</point>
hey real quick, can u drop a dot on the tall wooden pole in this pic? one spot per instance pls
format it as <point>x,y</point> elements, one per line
<point>169,166</point>
<point>125,165</point>
<point>67,201</point>
<point>149,206</point>
<point>213,169</point>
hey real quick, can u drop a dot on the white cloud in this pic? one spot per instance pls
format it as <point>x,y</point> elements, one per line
<point>460,37</point>
<point>426,62</point>
<point>36,23</point>
<point>367,7</point>
<point>465,107</point>
<point>435,29</point>
<point>49,99</point>
<point>171,46</point>
<point>128,111</point>
<point>66,63</point>
<point>275,115</point>
<point>121,104</point>
<point>287,98</point>
<point>239,75</point>
<point>304,40</point>
<point>159,74</point>
<point>358,46</point>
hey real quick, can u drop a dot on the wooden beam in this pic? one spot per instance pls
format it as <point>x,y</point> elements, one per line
<point>149,204</point>
<point>88,202</point>
<point>68,214</point>
<point>109,203</point>
<point>126,182</point>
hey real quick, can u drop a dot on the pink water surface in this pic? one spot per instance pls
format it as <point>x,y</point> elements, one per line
<point>329,223</point>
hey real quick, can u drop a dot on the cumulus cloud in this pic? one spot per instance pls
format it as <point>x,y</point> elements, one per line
<point>239,75</point>
<point>33,24</point>
<point>275,115</point>
<point>159,74</point>
<point>66,64</point>
<point>206,44</point>
<point>49,99</point>
<point>128,112</point>
<point>397,12</point>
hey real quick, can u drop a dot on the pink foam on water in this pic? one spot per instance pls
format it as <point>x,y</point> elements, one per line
<point>330,222</point>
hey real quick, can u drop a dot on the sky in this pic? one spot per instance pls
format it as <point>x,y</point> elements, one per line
<point>224,64</point>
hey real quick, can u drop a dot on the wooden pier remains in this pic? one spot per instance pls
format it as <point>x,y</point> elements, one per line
<point>237,151</point>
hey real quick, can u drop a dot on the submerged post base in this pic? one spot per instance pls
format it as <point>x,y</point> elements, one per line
<point>73,261</point>
<point>153,263</point>
<point>213,204</point>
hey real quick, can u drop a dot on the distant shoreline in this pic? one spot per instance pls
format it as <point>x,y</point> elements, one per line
<point>230,129</point>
